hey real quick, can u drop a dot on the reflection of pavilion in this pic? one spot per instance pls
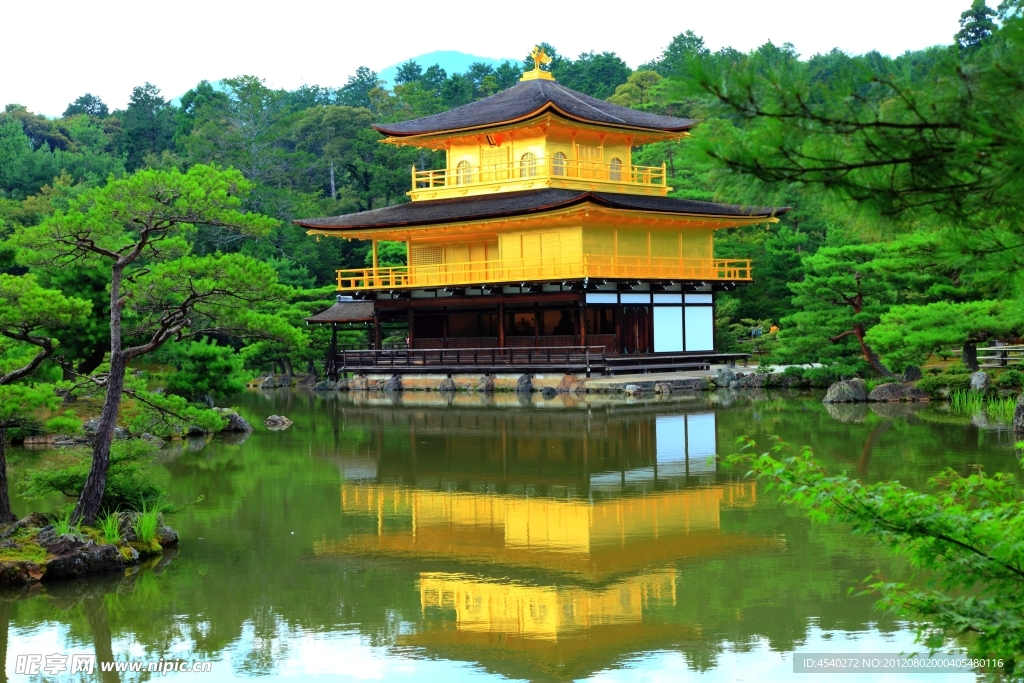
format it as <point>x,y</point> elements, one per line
<point>598,515</point>
<point>593,540</point>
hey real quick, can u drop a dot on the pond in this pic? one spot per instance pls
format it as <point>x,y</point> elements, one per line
<point>428,538</point>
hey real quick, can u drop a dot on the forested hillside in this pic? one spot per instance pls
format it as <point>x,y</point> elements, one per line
<point>312,152</point>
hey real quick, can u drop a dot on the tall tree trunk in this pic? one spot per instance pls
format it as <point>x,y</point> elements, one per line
<point>334,191</point>
<point>286,363</point>
<point>96,483</point>
<point>869,354</point>
<point>969,356</point>
<point>6,515</point>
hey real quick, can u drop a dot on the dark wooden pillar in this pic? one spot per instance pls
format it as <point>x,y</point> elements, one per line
<point>444,327</point>
<point>538,322</point>
<point>376,331</point>
<point>332,373</point>
<point>412,325</point>
<point>583,321</point>
<point>501,322</point>
<point>619,341</point>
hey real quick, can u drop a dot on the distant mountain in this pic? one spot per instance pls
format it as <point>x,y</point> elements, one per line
<point>450,60</point>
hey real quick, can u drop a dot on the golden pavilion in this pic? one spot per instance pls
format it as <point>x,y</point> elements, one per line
<point>540,232</point>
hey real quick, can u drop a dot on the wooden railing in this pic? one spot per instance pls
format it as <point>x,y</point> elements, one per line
<point>540,167</point>
<point>540,269</point>
<point>565,358</point>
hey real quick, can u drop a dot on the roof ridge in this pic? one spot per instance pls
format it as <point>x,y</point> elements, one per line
<point>569,92</point>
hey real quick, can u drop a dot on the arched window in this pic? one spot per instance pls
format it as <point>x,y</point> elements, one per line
<point>558,164</point>
<point>615,169</point>
<point>463,173</point>
<point>528,165</point>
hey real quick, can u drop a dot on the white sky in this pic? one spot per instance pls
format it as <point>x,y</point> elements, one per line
<point>107,48</point>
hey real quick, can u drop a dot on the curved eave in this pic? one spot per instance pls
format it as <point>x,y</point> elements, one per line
<point>741,219</point>
<point>546,108</point>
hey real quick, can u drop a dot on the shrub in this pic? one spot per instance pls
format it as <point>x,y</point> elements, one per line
<point>936,383</point>
<point>1010,379</point>
<point>958,382</point>
<point>934,371</point>
<point>957,368</point>
<point>130,484</point>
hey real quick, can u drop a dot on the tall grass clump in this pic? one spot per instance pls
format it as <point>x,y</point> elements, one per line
<point>973,402</point>
<point>110,527</point>
<point>968,402</point>
<point>146,523</point>
<point>63,525</point>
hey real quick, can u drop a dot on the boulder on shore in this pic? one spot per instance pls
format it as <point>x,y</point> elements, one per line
<point>524,385</point>
<point>912,373</point>
<point>277,422</point>
<point>633,390</point>
<point>236,423</point>
<point>359,383</point>
<point>663,388</point>
<point>979,381</point>
<point>894,392</point>
<point>1018,416</point>
<point>447,385</point>
<point>326,385</point>
<point>847,391</point>
<point>570,384</point>
<point>393,384</point>
<point>485,386</point>
<point>724,377</point>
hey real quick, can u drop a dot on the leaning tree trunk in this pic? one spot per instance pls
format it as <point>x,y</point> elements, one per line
<point>6,515</point>
<point>96,483</point>
<point>969,356</point>
<point>869,354</point>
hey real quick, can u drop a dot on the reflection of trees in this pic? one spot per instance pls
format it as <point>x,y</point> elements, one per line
<point>245,580</point>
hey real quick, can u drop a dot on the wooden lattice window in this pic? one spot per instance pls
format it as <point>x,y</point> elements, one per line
<point>494,163</point>
<point>558,164</point>
<point>590,160</point>
<point>426,255</point>
<point>528,165</point>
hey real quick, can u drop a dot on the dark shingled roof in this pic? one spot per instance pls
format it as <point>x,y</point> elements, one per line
<point>524,202</point>
<point>532,98</point>
<point>345,311</point>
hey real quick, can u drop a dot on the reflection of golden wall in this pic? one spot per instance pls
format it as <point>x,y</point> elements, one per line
<point>555,525</point>
<point>543,611</point>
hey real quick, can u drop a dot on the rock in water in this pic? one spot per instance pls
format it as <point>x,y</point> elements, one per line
<point>979,381</point>
<point>633,390</point>
<point>893,392</point>
<point>1018,416</point>
<point>236,423</point>
<point>326,385</point>
<point>359,383</point>
<point>847,391</point>
<point>911,373</point>
<point>485,386</point>
<point>663,388</point>
<point>570,385</point>
<point>277,422</point>
<point>393,384</point>
<point>549,392</point>
<point>524,385</point>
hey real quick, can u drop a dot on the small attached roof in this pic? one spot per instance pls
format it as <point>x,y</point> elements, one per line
<point>345,310</point>
<point>529,99</point>
<point>480,207</point>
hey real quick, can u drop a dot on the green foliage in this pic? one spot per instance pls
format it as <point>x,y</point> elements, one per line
<point>935,384</point>
<point>911,333</point>
<point>204,368</point>
<point>957,368</point>
<point>110,527</point>
<point>130,479</point>
<point>1010,379</point>
<point>966,536</point>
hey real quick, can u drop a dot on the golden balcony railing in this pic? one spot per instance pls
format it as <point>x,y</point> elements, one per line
<point>540,168</point>
<point>542,269</point>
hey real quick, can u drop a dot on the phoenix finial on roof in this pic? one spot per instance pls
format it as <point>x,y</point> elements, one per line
<point>539,57</point>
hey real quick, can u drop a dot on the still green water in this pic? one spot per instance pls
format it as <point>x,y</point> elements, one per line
<point>425,538</point>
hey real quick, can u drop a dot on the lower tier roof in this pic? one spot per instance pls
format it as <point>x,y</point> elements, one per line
<point>480,207</point>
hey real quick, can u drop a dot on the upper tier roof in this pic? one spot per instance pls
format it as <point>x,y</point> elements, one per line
<point>482,207</point>
<point>528,99</point>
